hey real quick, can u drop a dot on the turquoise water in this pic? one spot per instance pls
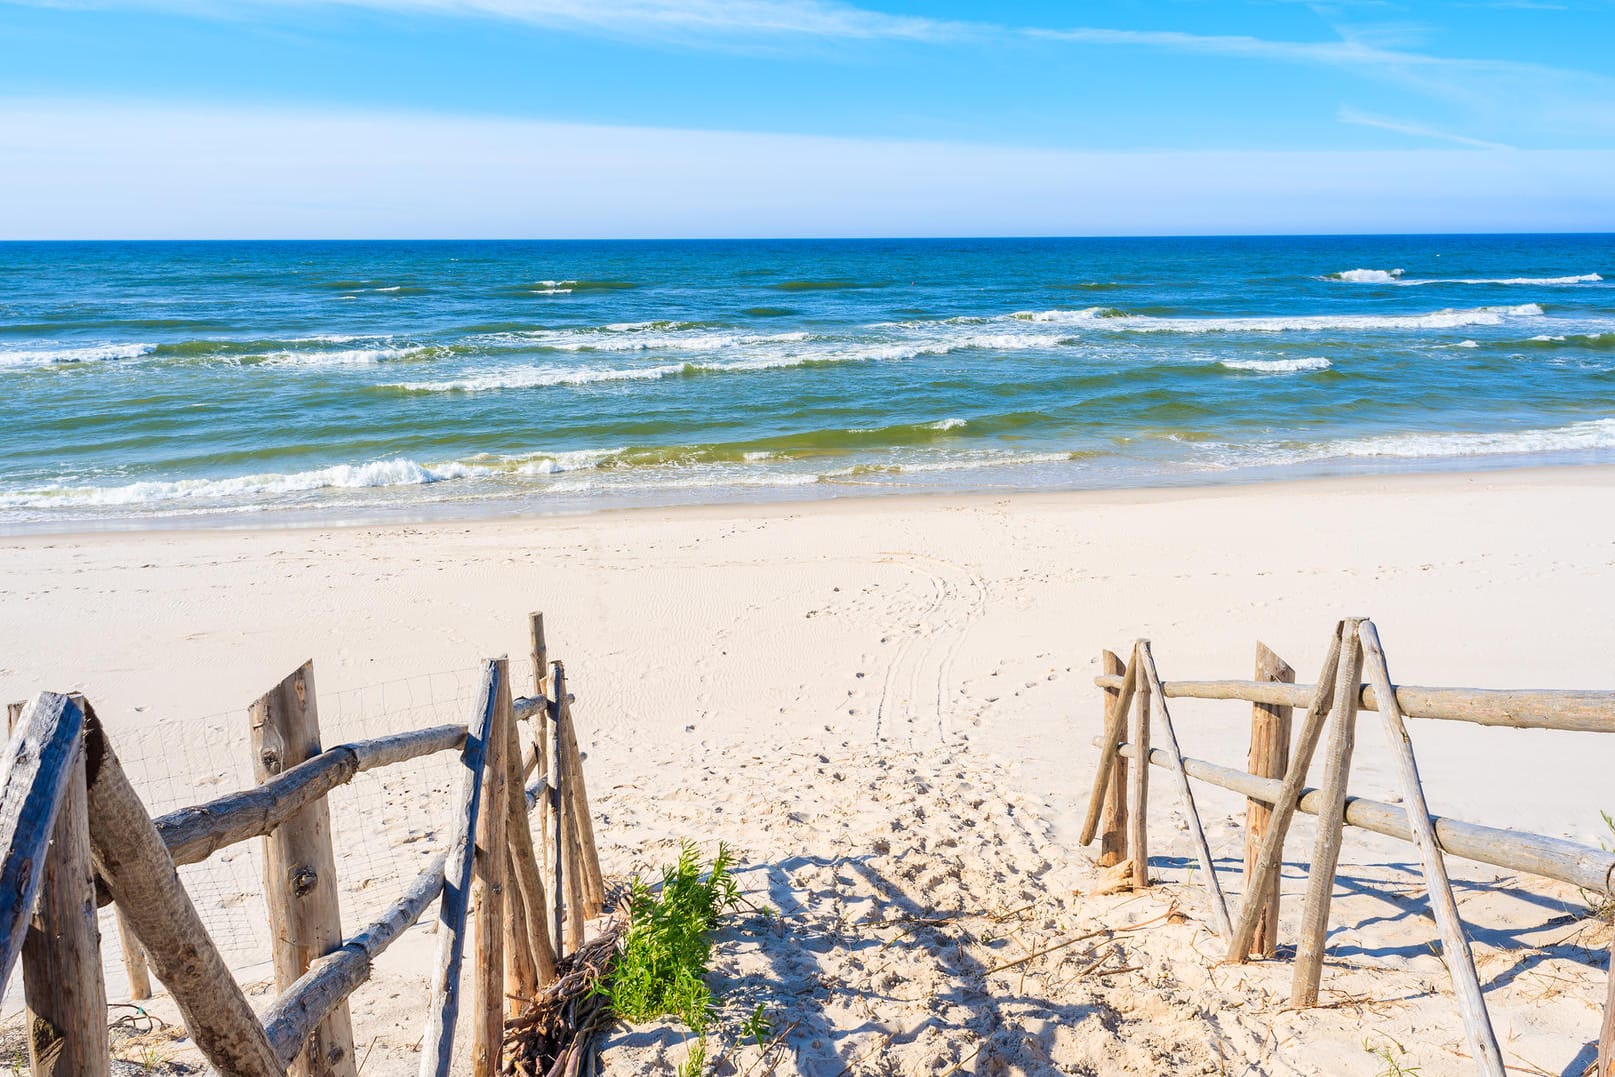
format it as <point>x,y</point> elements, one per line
<point>151,383</point>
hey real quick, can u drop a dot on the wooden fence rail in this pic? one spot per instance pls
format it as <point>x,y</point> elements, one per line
<point>73,827</point>
<point>1572,711</point>
<point>1275,791</point>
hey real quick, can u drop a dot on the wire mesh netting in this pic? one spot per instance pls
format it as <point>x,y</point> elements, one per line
<point>386,823</point>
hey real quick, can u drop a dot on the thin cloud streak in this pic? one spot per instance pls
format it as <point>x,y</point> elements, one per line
<point>1416,130</point>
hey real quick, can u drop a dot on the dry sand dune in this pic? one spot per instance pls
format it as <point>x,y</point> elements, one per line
<point>885,706</point>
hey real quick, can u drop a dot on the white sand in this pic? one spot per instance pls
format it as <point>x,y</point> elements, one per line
<point>886,705</point>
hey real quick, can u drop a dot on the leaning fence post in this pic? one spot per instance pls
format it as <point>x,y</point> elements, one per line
<point>61,956</point>
<point>437,1043</point>
<point>300,867</point>
<point>590,880</point>
<point>1138,806</point>
<point>1113,828</point>
<point>1331,820</point>
<point>1148,675</point>
<point>554,824</point>
<point>488,891</point>
<point>1454,946</point>
<point>131,856</point>
<point>1115,728</point>
<point>1269,758</point>
<point>531,959</point>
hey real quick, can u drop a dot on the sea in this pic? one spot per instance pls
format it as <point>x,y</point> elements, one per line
<point>220,383</point>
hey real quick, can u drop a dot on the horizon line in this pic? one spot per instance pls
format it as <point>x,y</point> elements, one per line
<point>799,238</point>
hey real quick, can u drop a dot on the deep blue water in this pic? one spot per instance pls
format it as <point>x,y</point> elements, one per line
<point>145,382</point>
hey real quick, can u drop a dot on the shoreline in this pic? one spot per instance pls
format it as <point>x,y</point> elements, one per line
<point>790,500</point>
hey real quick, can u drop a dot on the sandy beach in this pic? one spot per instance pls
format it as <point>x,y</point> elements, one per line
<point>886,705</point>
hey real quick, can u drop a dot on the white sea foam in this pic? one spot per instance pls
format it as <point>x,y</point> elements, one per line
<point>392,472</point>
<point>1584,278</point>
<point>1305,365</point>
<point>1395,276</point>
<point>1595,434</point>
<point>947,424</point>
<point>343,357</point>
<point>726,355</point>
<point>88,353</point>
<point>1106,319</point>
<point>1368,276</point>
<point>535,377</point>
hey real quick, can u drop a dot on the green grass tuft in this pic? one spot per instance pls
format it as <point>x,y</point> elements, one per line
<point>669,941</point>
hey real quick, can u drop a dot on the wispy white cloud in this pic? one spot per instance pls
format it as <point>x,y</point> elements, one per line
<point>1508,98</point>
<point>712,20</point>
<point>104,169</point>
<point>1498,91</point>
<point>1347,114</point>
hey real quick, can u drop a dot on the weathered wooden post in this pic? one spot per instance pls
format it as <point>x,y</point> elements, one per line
<point>1138,806</point>
<point>300,867</point>
<point>437,1043</point>
<point>1115,728</point>
<point>1331,819</point>
<point>36,769</point>
<point>1113,828</point>
<point>531,961</point>
<point>554,825</point>
<point>530,958</point>
<point>1271,856</point>
<point>61,955</point>
<point>488,891</point>
<point>1269,758</point>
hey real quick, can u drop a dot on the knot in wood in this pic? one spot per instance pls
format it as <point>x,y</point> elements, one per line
<point>304,879</point>
<point>271,761</point>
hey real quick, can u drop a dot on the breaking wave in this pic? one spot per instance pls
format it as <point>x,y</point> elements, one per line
<point>1110,319</point>
<point>88,353</point>
<point>1306,365</point>
<point>1396,276</point>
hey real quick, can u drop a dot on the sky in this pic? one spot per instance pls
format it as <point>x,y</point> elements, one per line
<point>676,118</point>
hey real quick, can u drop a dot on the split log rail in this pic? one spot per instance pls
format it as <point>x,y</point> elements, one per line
<point>1354,678</point>
<point>74,834</point>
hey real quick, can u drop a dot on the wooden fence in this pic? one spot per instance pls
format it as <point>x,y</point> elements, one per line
<point>74,836</point>
<point>1274,785</point>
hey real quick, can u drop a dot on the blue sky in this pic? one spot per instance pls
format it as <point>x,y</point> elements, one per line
<point>766,117</point>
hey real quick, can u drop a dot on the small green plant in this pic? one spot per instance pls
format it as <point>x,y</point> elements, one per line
<point>757,1026</point>
<point>1395,1058</point>
<point>669,941</point>
<point>695,1060</point>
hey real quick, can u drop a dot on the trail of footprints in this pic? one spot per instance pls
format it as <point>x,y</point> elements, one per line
<point>901,893</point>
